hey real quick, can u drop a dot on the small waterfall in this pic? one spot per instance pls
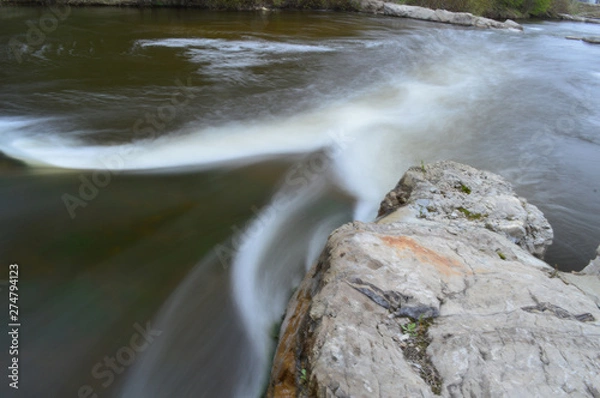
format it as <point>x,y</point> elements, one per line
<point>278,247</point>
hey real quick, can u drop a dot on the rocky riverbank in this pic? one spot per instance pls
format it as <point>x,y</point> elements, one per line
<point>368,6</point>
<point>441,16</point>
<point>576,18</point>
<point>445,294</point>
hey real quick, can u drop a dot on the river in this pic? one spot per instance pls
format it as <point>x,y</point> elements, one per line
<point>170,174</point>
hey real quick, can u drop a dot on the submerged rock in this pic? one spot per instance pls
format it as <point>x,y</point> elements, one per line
<point>439,304</point>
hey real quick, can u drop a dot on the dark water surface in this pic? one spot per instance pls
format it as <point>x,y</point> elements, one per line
<point>183,168</point>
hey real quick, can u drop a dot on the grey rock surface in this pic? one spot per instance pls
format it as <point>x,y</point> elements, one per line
<point>593,268</point>
<point>592,39</point>
<point>422,306</point>
<point>575,18</point>
<point>589,39</point>
<point>442,16</point>
<point>449,191</point>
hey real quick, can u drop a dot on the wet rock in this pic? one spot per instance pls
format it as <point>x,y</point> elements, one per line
<point>575,18</point>
<point>588,280</point>
<point>592,40</point>
<point>593,268</point>
<point>425,306</point>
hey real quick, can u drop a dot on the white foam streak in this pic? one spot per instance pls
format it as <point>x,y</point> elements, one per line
<point>298,134</point>
<point>201,148</point>
<point>232,46</point>
<point>386,130</point>
<point>217,54</point>
<point>257,309</point>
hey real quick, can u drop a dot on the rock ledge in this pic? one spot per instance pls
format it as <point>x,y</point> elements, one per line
<point>442,16</point>
<point>433,305</point>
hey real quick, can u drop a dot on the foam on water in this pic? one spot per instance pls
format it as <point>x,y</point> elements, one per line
<point>232,46</point>
<point>371,137</point>
<point>199,148</point>
<point>221,53</point>
<point>427,99</point>
<point>374,135</point>
<point>259,288</point>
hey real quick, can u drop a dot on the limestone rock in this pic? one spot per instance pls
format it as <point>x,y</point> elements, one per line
<point>443,16</point>
<point>424,306</point>
<point>592,39</point>
<point>575,18</point>
<point>510,24</point>
<point>593,268</point>
<point>374,6</point>
<point>447,191</point>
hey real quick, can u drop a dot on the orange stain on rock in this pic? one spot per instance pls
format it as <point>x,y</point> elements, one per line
<point>444,265</point>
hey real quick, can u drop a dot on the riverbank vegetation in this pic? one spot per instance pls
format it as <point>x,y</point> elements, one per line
<point>497,9</point>
<point>514,9</point>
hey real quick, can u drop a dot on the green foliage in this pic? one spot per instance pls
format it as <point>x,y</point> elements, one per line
<point>539,7</point>
<point>303,375</point>
<point>499,9</point>
<point>562,7</point>
<point>465,188</point>
<point>338,5</point>
<point>471,215</point>
<point>410,328</point>
<point>528,7</point>
<point>229,4</point>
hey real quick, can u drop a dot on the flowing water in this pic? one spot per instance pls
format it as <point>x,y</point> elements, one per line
<point>184,168</point>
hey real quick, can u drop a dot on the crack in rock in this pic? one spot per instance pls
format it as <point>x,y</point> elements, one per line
<point>393,301</point>
<point>389,299</point>
<point>558,312</point>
